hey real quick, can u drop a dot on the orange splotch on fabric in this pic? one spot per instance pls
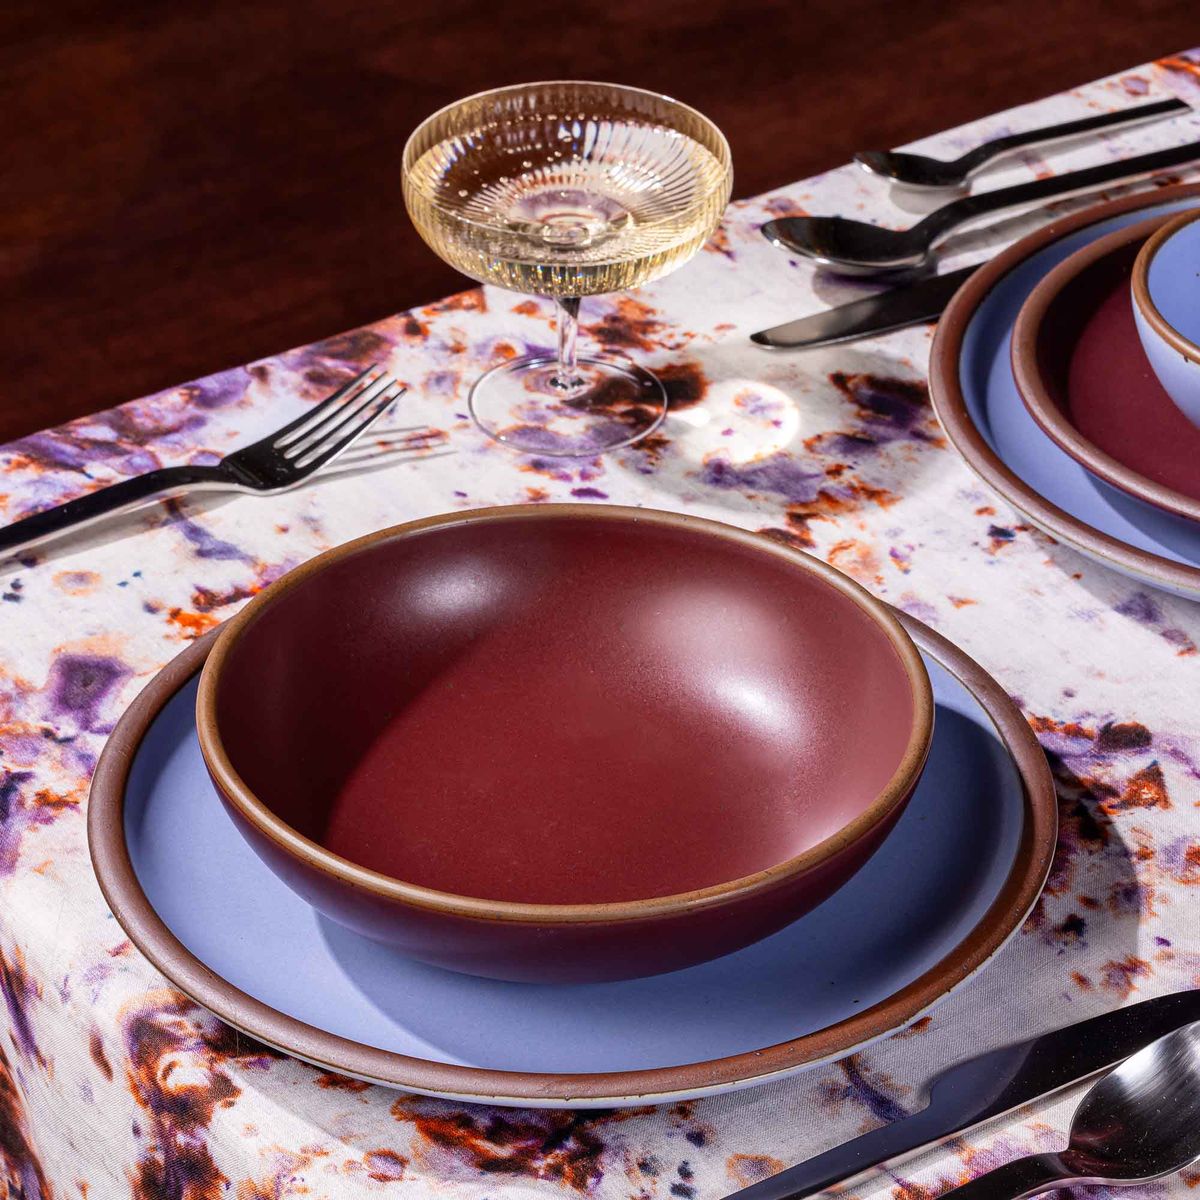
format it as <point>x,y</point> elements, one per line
<point>527,308</point>
<point>191,624</point>
<point>631,325</point>
<point>205,600</point>
<point>1122,976</point>
<point>1144,789</point>
<point>49,798</point>
<point>20,991</point>
<point>719,242</point>
<point>1180,63</point>
<point>857,559</point>
<point>77,583</point>
<point>340,1083</point>
<point>472,300</point>
<point>784,206</point>
<point>1071,729</point>
<point>385,1166</point>
<point>410,327</point>
<point>18,1159</point>
<point>177,1060</point>
<point>548,1144</point>
<point>745,1169</point>
<point>96,1050</point>
<point>829,505</point>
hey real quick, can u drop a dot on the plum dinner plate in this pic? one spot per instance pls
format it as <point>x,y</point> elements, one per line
<point>976,398</point>
<point>950,885</point>
<point>1080,367</point>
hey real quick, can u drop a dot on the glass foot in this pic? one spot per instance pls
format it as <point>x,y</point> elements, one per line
<point>613,404</point>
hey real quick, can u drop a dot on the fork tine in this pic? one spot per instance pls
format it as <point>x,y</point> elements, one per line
<point>348,431</point>
<point>340,418</point>
<point>307,438</point>
<point>295,428</point>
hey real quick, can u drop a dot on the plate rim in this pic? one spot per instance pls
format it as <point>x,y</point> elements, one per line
<point>950,407</point>
<point>141,923</point>
<point>1029,377</point>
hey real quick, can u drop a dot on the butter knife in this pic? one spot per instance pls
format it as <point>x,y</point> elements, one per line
<point>987,1086</point>
<point>893,309</point>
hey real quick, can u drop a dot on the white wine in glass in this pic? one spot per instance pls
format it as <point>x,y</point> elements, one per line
<point>566,190</point>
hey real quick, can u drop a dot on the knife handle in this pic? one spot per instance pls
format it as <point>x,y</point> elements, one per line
<point>1021,1177</point>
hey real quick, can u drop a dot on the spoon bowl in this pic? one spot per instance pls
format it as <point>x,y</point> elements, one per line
<point>1138,1123</point>
<point>847,246</point>
<point>916,170</point>
<point>1142,1120</point>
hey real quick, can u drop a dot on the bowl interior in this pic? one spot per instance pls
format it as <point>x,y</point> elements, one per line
<point>1092,367</point>
<point>565,709</point>
<point>1173,277</point>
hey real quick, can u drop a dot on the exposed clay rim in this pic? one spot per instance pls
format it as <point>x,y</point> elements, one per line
<point>124,895</point>
<point>1141,288</point>
<point>1031,382</point>
<point>951,408</point>
<point>351,874</point>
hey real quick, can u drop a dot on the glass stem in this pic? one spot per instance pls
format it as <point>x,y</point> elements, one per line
<point>566,377</point>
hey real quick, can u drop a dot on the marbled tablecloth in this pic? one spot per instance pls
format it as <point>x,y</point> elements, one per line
<point>112,1084</point>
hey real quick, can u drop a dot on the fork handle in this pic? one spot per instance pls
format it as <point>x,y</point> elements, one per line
<point>1068,129</point>
<point>118,497</point>
<point>1022,1177</point>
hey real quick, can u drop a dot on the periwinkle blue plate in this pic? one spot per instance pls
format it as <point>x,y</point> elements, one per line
<point>977,401</point>
<point>951,883</point>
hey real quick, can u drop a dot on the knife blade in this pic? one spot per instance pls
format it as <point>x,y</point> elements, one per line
<point>893,309</point>
<point>987,1086</point>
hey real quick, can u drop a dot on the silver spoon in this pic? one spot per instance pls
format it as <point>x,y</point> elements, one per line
<point>858,248</point>
<point>1140,1122</point>
<point>921,171</point>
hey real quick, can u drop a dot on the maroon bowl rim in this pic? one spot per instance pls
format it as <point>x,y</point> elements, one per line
<point>1140,281</point>
<point>146,930</point>
<point>1035,391</point>
<point>950,406</point>
<point>350,874</point>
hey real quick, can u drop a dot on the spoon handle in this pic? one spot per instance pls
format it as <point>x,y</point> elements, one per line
<point>974,159</point>
<point>1021,1177</point>
<point>942,220</point>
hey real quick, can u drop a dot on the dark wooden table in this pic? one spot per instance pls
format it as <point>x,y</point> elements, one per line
<point>192,185</point>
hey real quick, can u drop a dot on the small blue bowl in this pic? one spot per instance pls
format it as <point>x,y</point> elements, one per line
<point>1166,308</point>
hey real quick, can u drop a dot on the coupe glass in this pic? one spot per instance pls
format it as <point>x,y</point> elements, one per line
<point>566,190</point>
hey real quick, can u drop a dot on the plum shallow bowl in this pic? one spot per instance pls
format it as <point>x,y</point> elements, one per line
<point>564,743</point>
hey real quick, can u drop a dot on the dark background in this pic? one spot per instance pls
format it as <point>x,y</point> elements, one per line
<point>188,186</point>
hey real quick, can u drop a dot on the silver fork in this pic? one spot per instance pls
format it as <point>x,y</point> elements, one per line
<point>275,463</point>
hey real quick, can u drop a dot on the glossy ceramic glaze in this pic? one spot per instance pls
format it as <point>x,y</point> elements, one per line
<point>969,856</point>
<point>1166,299</point>
<point>565,742</point>
<point>976,399</point>
<point>1083,376</point>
